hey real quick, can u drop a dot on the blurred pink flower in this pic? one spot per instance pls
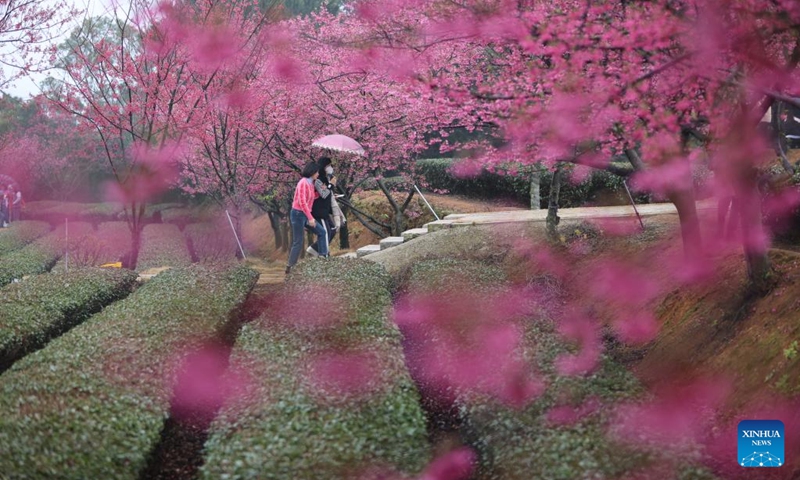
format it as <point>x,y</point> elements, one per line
<point>344,373</point>
<point>622,282</point>
<point>636,328</point>
<point>152,172</point>
<point>315,307</point>
<point>461,343</point>
<point>454,465</point>
<point>664,178</point>
<point>677,414</point>
<point>204,383</point>
<point>585,332</point>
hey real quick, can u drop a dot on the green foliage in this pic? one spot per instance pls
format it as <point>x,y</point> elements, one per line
<point>33,311</point>
<point>287,427</point>
<point>163,245</point>
<point>39,256</point>
<point>454,277</point>
<point>513,181</point>
<point>55,212</point>
<point>791,351</point>
<point>21,234</point>
<point>92,403</point>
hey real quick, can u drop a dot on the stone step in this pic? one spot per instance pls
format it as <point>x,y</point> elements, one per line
<point>439,225</point>
<point>390,242</point>
<point>367,250</point>
<point>148,274</point>
<point>414,233</point>
<point>349,255</point>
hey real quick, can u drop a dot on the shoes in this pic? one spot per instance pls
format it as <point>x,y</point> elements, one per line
<point>288,269</point>
<point>312,252</point>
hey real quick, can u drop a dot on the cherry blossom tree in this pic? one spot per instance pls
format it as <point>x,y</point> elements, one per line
<point>50,152</point>
<point>225,160</point>
<point>125,78</point>
<point>320,84</point>
<point>26,29</point>
<point>663,83</point>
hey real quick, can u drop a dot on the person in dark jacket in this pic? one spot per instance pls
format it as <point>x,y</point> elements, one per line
<point>322,209</point>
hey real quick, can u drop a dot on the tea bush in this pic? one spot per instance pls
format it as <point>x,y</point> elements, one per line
<point>40,255</point>
<point>33,311</point>
<point>92,403</point>
<point>163,245</point>
<point>20,234</point>
<point>287,427</point>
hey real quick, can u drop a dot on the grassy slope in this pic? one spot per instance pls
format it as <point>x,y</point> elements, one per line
<point>708,330</point>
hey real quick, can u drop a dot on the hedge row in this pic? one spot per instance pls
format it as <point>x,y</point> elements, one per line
<point>56,212</point>
<point>513,181</point>
<point>212,242</point>
<point>41,255</point>
<point>163,245</point>
<point>520,443</point>
<point>20,234</point>
<point>34,311</point>
<point>92,403</point>
<point>288,427</point>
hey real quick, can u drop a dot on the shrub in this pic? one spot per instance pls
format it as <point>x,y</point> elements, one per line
<point>92,403</point>
<point>513,181</point>
<point>39,256</point>
<point>34,311</point>
<point>163,245</point>
<point>56,212</point>
<point>21,234</point>
<point>292,427</point>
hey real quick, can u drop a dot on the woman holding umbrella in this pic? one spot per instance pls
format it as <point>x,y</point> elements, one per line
<point>300,216</point>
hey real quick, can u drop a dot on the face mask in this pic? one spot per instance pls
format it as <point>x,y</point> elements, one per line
<point>329,170</point>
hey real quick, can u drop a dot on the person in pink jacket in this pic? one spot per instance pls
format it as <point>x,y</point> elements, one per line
<point>300,216</point>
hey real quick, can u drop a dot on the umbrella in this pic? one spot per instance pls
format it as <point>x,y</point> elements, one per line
<point>339,143</point>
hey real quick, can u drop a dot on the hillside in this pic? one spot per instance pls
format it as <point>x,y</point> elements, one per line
<point>712,336</point>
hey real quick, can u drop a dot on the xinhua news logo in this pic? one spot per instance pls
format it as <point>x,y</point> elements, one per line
<point>761,443</point>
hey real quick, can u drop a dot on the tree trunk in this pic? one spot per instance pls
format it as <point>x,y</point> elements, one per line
<point>133,255</point>
<point>286,229</point>
<point>344,236</point>
<point>275,224</point>
<point>683,199</point>
<point>759,270</point>
<point>552,204</point>
<point>535,190</point>
<point>399,216</point>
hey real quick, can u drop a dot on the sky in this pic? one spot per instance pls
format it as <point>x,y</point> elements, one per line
<point>26,87</point>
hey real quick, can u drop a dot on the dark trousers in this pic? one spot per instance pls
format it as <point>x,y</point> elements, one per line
<point>299,222</point>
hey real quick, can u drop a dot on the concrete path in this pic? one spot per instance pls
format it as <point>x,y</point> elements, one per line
<point>514,216</point>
